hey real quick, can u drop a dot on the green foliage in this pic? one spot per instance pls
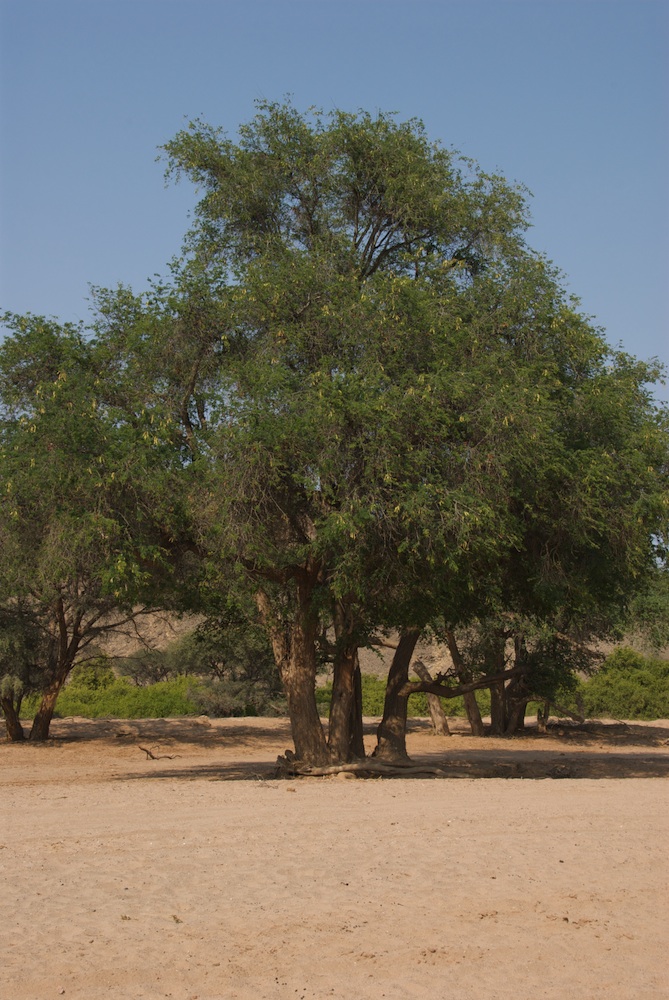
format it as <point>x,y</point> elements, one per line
<point>231,660</point>
<point>95,691</point>
<point>94,675</point>
<point>649,611</point>
<point>118,698</point>
<point>360,396</point>
<point>222,698</point>
<point>81,497</point>
<point>20,648</point>
<point>628,686</point>
<point>405,397</point>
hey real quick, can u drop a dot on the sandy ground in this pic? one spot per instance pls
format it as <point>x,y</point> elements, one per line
<point>199,875</point>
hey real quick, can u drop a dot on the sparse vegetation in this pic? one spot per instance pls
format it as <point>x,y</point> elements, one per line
<point>628,686</point>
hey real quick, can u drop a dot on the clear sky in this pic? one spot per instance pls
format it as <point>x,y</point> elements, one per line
<point>570,98</point>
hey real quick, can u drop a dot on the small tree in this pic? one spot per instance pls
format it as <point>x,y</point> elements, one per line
<point>79,540</point>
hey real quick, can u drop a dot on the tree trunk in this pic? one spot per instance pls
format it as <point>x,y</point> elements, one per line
<point>342,706</point>
<point>12,722</point>
<point>516,716</point>
<point>437,714</point>
<point>391,734</point>
<point>495,661</point>
<point>517,698</point>
<point>498,718</point>
<point>345,729</point>
<point>61,660</point>
<point>464,676</point>
<point>42,721</point>
<point>294,646</point>
<point>357,737</point>
<point>473,714</point>
<point>517,694</point>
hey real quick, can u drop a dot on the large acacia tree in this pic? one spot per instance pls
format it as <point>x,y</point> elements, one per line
<point>384,364</point>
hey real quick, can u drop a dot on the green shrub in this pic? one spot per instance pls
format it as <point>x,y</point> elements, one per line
<point>223,698</point>
<point>120,699</point>
<point>94,675</point>
<point>628,686</point>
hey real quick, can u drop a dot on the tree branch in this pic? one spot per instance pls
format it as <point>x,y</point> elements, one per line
<point>434,687</point>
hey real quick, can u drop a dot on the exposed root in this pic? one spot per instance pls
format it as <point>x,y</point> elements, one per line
<point>367,768</point>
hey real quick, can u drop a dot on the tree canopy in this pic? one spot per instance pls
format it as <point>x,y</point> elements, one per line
<point>80,497</point>
<point>366,405</point>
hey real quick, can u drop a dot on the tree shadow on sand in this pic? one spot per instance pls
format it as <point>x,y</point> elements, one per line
<point>247,749</point>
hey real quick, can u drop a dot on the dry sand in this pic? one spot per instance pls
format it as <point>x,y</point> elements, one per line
<point>202,876</point>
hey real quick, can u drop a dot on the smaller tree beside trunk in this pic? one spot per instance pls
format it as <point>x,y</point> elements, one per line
<point>80,542</point>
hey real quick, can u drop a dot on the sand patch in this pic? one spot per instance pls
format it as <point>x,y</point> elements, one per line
<point>131,877</point>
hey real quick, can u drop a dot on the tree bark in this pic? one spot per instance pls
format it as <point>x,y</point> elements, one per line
<point>495,661</point>
<point>516,716</point>
<point>473,714</point>
<point>345,728</point>
<point>13,725</point>
<point>63,656</point>
<point>342,706</point>
<point>41,723</point>
<point>469,698</point>
<point>516,693</point>
<point>498,709</point>
<point>391,734</point>
<point>357,737</point>
<point>294,645</point>
<point>517,698</point>
<point>437,714</point>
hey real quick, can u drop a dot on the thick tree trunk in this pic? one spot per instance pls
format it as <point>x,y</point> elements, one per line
<point>469,698</point>
<point>342,706</point>
<point>294,646</point>
<point>391,734</point>
<point>516,692</point>
<point>345,729</point>
<point>517,699</point>
<point>42,721</point>
<point>299,681</point>
<point>437,714</point>
<point>12,722</point>
<point>515,722</point>
<point>345,726</point>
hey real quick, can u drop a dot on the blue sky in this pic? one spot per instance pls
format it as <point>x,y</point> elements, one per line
<point>570,98</point>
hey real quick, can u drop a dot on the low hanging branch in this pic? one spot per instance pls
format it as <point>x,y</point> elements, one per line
<point>437,687</point>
